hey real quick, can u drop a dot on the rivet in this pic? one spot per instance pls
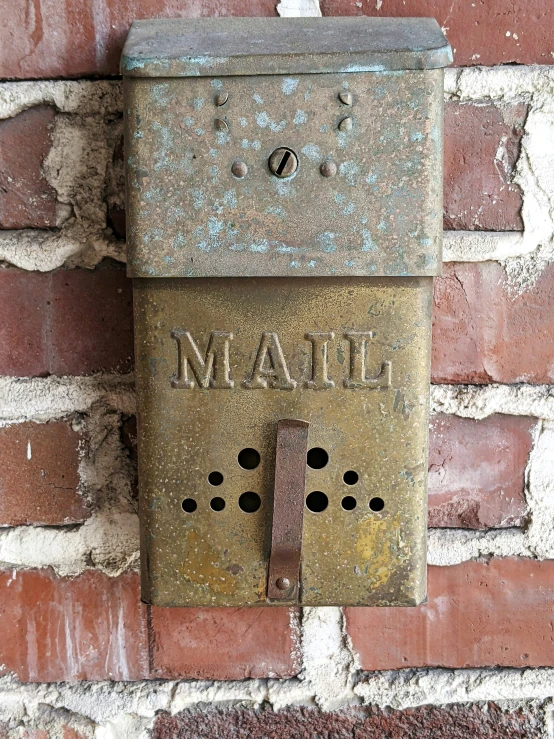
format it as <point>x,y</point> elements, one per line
<point>283,162</point>
<point>345,124</point>
<point>221,98</point>
<point>221,125</point>
<point>345,97</point>
<point>239,169</point>
<point>328,169</point>
<point>282,583</point>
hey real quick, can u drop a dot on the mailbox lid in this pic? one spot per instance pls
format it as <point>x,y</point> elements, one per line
<point>181,47</point>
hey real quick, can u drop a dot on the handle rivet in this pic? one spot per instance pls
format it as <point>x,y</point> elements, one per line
<point>282,583</point>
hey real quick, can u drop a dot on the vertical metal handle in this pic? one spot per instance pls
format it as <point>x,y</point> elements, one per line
<point>283,582</point>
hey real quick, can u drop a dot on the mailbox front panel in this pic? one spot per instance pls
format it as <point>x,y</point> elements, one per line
<point>219,363</point>
<point>379,213</point>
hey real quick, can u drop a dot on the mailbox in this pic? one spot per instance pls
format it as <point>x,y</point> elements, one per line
<point>284,201</point>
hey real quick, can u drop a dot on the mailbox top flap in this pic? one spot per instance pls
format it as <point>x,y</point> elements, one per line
<point>181,47</point>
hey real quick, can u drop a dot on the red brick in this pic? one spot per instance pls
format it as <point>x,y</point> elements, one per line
<point>67,322</point>
<point>478,30</point>
<point>481,147</point>
<point>477,471</point>
<point>72,38</point>
<point>222,643</point>
<point>424,722</point>
<point>91,627</point>
<point>39,475</point>
<point>484,331</point>
<point>478,615</point>
<point>26,198</point>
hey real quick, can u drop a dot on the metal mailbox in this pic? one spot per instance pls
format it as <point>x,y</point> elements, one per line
<point>284,200</point>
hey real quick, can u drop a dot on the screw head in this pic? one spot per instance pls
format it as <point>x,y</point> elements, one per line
<point>221,98</point>
<point>282,583</point>
<point>346,98</point>
<point>239,169</point>
<point>283,162</point>
<point>221,125</point>
<point>328,169</point>
<point>345,124</point>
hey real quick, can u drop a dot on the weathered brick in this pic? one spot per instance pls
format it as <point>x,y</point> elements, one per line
<point>484,331</point>
<point>222,643</point>
<point>39,475</point>
<point>479,614</point>
<point>481,147</point>
<point>91,627</point>
<point>67,322</point>
<point>482,32</point>
<point>477,471</point>
<point>26,198</point>
<point>425,722</point>
<point>71,38</point>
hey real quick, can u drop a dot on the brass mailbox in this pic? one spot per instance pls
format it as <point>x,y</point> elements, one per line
<point>284,200</point>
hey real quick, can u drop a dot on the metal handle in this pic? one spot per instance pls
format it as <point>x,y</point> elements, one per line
<point>288,511</point>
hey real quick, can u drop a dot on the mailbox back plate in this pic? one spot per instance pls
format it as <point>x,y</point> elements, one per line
<point>220,557</point>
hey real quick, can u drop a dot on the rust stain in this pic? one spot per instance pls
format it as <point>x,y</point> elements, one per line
<point>199,567</point>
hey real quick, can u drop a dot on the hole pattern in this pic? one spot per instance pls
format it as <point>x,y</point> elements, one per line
<point>215,478</point>
<point>189,505</point>
<point>350,477</point>
<point>348,502</point>
<point>317,458</point>
<point>249,502</point>
<point>249,459</point>
<point>376,504</point>
<point>217,504</point>
<point>317,501</point>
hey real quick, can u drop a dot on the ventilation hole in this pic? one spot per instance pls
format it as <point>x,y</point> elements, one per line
<point>189,505</point>
<point>215,478</point>
<point>317,458</point>
<point>348,503</point>
<point>249,502</point>
<point>317,501</point>
<point>377,504</point>
<point>217,504</point>
<point>249,459</point>
<point>350,477</point>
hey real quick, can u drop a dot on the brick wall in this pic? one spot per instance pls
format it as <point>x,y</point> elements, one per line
<point>80,656</point>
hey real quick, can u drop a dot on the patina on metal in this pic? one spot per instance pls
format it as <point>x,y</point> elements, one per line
<point>284,225</point>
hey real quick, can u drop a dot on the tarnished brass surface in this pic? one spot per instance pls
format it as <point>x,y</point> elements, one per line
<point>188,215</point>
<point>219,363</point>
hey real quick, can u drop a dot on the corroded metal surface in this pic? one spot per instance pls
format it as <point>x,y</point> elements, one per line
<point>380,214</point>
<point>289,488</point>
<point>219,363</point>
<point>247,46</point>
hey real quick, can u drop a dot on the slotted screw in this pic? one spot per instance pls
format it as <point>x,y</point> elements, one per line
<point>283,162</point>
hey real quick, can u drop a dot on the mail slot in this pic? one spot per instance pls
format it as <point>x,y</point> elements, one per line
<point>284,200</point>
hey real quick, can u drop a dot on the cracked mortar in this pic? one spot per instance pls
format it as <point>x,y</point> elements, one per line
<point>523,256</point>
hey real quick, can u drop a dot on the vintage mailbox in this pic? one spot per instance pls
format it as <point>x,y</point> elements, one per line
<point>284,201</point>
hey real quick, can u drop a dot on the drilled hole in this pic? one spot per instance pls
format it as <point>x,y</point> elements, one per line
<point>376,504</point>
<point>215,478</point>
<point>317,501</point>
<point>217,504</point>
<point>249,459</point>
<point>350,477</point>
<point>317,458</point>
<point>348,502</point>
<point>249,502</point>
<point>189,505</point>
